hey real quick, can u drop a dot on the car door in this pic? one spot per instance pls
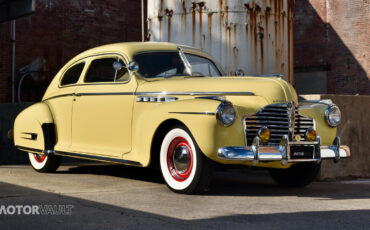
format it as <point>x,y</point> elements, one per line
<point>102,109</point>
<point>60,103</point>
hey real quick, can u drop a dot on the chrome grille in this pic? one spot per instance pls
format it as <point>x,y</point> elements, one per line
<point>276,118</point>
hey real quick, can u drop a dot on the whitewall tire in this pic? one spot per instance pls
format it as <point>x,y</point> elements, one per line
<point>184,167</point>
<point>43,163</point>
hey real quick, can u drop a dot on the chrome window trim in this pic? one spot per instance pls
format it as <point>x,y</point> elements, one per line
<point>69,67</point>
<point>219,69</point>
<point>102,83</point>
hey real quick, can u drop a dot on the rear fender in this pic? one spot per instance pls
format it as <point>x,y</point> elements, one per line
<point>34,129</point>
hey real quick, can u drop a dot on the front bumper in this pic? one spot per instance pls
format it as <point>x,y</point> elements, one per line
<point>284,152</point>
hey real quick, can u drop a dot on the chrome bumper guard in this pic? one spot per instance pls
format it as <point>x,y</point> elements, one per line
<point>257,153</point>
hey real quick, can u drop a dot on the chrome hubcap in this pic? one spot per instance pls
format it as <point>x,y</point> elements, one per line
<point>181,159</point>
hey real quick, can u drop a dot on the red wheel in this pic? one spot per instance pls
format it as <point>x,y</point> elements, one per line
<point>39,158</point>
<point>184,167</point>
<point>44,163</point>
<point>179,159</point>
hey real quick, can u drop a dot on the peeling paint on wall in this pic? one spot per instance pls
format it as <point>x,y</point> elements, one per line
<point>255,36</point>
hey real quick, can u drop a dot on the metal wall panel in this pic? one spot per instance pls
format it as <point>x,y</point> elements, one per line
<point>252,35</point>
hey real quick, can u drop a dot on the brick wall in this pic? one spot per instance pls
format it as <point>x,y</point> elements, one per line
<point>333,36</point>
<point>59,30</point>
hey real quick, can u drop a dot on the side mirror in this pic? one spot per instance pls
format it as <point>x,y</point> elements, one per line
<point>117,66</point>
<point>239,72</point>
<point>133,66</point>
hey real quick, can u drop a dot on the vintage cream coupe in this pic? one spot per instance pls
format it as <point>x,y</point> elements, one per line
<point>164,104</point>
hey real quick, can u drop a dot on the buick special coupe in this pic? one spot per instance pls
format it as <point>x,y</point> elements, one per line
<point>169,105</point>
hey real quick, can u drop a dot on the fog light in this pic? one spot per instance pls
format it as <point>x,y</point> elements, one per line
<point>264,134</point>
<point>310,134</point>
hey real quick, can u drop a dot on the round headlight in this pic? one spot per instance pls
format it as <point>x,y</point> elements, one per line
<point>226,113</point>
<point>332,115</point>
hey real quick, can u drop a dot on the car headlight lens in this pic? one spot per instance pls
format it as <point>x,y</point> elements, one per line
<point>226,113</point>
<point>333,115</point>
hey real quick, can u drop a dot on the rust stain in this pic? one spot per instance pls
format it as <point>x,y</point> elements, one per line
<point>261,36</point>
<point>183,17</point>
<point>290,42</point>
<point>235,48</point>
<point>201,5</point>
<point>161,7</point>
<point>267,18</point>
<point>183,4</point>
<point>277,35</point>
<point>169,14</point>
<point>193,9</point>
<point>160,18</point>
<point>220,5</point>
<point>209,31</point>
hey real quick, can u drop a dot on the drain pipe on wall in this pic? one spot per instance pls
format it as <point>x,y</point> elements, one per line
<point>142,21</point>
<point>12,34</point>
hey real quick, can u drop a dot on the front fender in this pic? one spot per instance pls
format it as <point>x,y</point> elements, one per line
<point>198,115</point>
<point>317,112</point>
<point>31,126</point>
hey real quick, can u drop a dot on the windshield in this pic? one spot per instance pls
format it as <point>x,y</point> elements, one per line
<point>169,64</point>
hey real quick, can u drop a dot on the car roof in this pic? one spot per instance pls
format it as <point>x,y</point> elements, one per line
<point>129,48</point>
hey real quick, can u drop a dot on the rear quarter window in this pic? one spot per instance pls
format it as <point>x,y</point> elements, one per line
<point>72,75</point>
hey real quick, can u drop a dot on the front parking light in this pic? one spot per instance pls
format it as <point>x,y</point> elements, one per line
<point>311,134</point>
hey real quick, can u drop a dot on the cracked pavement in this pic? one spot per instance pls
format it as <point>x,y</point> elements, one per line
<point>120,197</point>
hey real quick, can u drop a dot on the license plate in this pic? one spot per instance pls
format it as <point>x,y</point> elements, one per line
<point>301,152</point>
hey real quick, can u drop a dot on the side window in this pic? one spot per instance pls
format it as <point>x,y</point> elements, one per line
<point>72,75</point>
<point>102,70</point>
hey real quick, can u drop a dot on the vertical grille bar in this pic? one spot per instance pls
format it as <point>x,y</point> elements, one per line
<point>276,118</point>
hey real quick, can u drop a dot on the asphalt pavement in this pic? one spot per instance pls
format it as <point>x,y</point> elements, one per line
<point>100,196</point>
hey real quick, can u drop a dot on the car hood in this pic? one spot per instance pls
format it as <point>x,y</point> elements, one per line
<point>272,89</point>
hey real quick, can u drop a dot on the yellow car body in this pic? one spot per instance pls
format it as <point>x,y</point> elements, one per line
<point>121,121</point>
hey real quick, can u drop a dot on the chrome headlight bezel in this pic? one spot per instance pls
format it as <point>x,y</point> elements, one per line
<point>332,110</point>
<point>226,114</point>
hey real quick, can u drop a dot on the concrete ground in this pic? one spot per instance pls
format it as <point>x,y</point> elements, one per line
<point>119,197</point>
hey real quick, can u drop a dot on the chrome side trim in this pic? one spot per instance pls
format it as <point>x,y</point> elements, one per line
<point>198,113</point>
<point>325,101</point>
<point>155,99</point>
<point>156,94</point>
<point>27,149</point>
<point>196,93</point>
<point>98,158</point>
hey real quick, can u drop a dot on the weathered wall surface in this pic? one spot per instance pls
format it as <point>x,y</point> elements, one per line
<point>255,36</point>
<point>60,30</point>
<point>354,132</point>
<point>331,43</point>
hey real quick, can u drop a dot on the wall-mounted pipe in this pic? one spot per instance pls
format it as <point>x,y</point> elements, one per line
<point>12,34</point>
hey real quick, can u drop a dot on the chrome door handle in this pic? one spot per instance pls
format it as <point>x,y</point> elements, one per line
<point>77,94</point>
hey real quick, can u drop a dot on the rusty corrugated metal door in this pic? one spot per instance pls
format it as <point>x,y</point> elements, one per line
<point>255,36</point>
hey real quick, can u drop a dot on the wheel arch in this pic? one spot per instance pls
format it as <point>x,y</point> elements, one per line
<point>159,134</point>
